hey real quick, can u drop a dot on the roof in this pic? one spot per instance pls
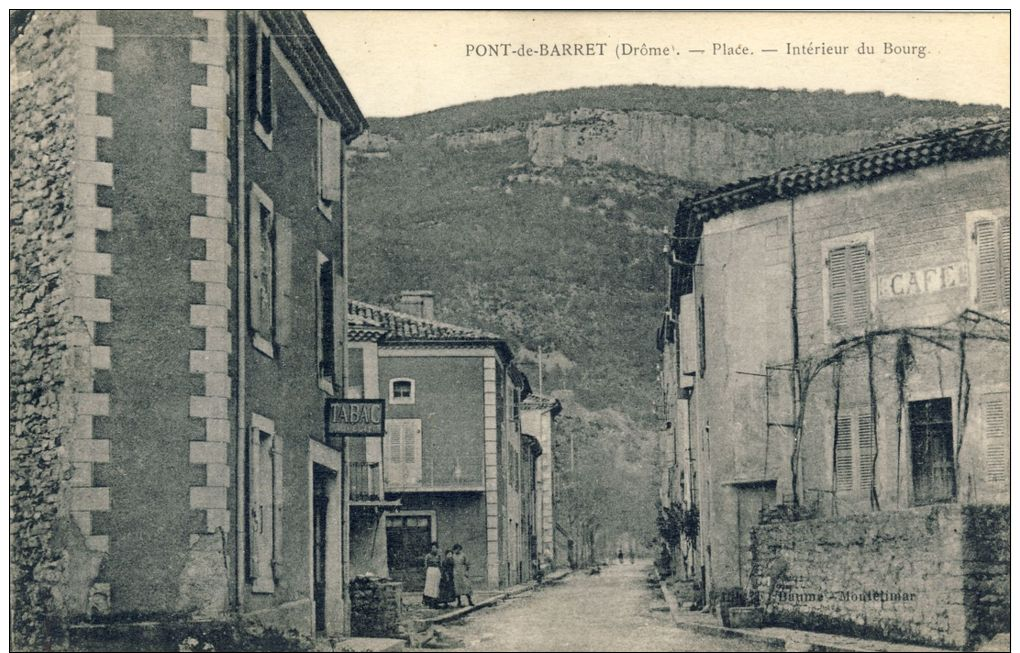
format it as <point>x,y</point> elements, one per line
<point>302,47</point>
<point>542,402</point>
<point>973,141</point>
<point>405,329</point>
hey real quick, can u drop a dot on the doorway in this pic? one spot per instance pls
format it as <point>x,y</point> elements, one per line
<point>931,450</point>
<point>752,498</point>
<point>320,511</point>
<point>408,538</point>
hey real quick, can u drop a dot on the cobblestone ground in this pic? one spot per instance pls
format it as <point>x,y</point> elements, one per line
<point>614,611</point>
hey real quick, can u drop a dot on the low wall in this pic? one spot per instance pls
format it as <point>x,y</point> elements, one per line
<point>936,575</point>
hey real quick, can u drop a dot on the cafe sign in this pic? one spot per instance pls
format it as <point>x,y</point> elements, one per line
<point>924,281</point>
<point>355,417</point>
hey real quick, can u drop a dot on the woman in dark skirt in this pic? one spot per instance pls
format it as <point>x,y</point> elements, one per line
<point>446,587</point>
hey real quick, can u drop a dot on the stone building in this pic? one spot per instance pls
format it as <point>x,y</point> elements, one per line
<point>836,369</point>
<point>451,456</point>
<point>177,209</point>
<point>538,414</point>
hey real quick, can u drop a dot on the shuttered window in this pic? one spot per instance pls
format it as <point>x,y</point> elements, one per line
<point>995,426</point>
<point>991,253</point>
<point>265,505</point>
<point>844,466</point>
<point>854,451</point>
<point>329,160</point>
<point>849,287</point>
<point>403,452</point>
<point>264,79</point>
<point>261,263</point>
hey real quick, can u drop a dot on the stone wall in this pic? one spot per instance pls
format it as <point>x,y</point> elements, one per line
<point>934,575</point>
<point>50,565</point>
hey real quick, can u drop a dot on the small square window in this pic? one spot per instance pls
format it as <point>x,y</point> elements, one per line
<point>402,391</point>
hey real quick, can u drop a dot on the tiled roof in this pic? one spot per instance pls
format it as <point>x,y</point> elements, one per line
<point>542,402</point>
<point>402,326</point>
<point>942,146</point>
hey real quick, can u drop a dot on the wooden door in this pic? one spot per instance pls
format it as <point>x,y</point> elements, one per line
<point>931,450</point>
<point>408,539</point>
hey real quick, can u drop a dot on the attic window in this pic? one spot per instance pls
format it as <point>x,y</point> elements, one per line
<point>402,391</point>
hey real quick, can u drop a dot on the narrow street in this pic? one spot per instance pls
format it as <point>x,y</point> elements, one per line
<point>613,611</point>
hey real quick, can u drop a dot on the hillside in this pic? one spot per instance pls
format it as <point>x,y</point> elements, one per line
<point>540,217</point>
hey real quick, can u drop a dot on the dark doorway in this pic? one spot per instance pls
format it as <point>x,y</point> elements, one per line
<point>931,450</point>
<point>320,505</point>
<point>407,541</point>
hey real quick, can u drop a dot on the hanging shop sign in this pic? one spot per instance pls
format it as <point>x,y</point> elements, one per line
<point>355,417</point>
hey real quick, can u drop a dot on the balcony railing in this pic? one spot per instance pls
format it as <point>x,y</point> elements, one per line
<point>366,481</point>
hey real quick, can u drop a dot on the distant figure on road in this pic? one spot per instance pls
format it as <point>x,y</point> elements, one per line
<point>432,573</point>
<point>631,552</point>
<point>447,592</point>
<point>619,556</point>
<point>461,580</point>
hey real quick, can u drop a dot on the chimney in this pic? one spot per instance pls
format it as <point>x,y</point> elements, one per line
<point>420,303</point>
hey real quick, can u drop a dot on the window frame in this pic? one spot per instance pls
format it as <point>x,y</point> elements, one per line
<point>394,399</point>
<point>263,39</point>
<point>867,238</point>
<point>972,219</point>
<point>258,199</point>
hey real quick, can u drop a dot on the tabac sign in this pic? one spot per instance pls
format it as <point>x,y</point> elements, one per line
<point>355,417</point>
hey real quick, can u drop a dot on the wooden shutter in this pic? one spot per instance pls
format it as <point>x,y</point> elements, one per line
<point>1004,258</point>
<point>988,266</point>
<point>284,282</point>
<point>330,161</point>
<point>701,335</point>
<point>838,288</point>
<point>866,449</point>
<point>995,409</point>
<point>254,260</point>
<point>254,436</point>
<point>412,451</point>
<point>860,289</point>
<point>394,452</point>
<point>844,463</point>
<point>277,454</point>
<point>339,322</point>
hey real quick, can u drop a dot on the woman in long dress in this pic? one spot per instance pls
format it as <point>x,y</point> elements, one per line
<point>461,580</point>
<point>446,587</point>
<point>430,597</point>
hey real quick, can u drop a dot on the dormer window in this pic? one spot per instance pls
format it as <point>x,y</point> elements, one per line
<point>402,391</point>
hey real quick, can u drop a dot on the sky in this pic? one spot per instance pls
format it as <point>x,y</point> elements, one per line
<point>404,62</point>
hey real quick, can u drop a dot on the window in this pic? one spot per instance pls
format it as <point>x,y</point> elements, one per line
<point>269,265</point>
<point>260,69</point>
<point>849,287</point>
<point>403,452</point>
<point>329,163</point>
<point>931,450</point>
<point>853,466</point>
<point>265,504</point>
<point>324,324</point>
<point>989,255</point>
<point>402,391</point>
<point>261,261</point>
<point>995,429</point>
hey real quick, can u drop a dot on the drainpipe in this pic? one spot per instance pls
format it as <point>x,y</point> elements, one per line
<point>795,346</point>
<point>242,312</point>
